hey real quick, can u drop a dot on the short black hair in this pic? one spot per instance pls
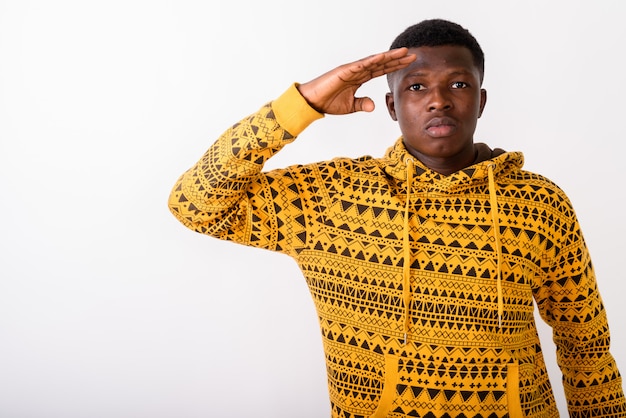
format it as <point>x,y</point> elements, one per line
<point>439,32</point>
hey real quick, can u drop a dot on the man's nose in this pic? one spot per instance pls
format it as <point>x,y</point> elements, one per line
<point>439,99</point>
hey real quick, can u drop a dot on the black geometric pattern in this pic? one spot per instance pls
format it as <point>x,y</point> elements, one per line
<point>342,221</point>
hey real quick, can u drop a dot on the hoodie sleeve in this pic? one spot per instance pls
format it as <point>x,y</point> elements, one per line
<point>226,194</point>
<point>569,301</point>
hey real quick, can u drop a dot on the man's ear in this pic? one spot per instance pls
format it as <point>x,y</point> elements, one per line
<point>483,101</point>
<point>391,107</point>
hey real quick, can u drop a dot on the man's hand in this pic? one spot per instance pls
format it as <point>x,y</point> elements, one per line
<point>334,92</point>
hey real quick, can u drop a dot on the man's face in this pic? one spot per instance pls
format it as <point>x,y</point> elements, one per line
<point>437,101</point>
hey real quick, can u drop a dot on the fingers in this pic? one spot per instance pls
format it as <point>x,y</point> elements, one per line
<point>382,63</point>
<point>334,92</point>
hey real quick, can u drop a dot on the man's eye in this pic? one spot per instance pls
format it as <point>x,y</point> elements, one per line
<point>459,85</point>
<point>416,87</point>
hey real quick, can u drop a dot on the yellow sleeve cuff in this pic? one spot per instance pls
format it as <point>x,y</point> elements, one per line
<point>293,112</point>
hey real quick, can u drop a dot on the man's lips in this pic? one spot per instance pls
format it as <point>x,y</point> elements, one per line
<point>441,126</point>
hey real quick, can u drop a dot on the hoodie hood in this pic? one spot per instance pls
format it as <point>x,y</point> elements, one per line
<point>488,165</point>
<point>395,165</point>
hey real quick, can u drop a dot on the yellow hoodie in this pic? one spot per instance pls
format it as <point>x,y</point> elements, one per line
<point>423,283</point>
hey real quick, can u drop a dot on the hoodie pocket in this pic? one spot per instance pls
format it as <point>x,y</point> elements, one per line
<point>512,392</point>
<point>389,387</point>
<point>449,387</point>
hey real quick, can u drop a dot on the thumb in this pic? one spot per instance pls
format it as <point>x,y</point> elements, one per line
<point>363,104</point>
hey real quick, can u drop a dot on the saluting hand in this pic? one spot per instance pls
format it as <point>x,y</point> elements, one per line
<point>334,92</point>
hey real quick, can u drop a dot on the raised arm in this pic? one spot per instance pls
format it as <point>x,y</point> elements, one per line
<point>227,195</point>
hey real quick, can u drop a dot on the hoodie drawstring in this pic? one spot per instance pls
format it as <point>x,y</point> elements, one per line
<point>406,265</point>
<point>496,233</point>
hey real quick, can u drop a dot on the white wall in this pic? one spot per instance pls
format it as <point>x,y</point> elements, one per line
<point>110,308</point>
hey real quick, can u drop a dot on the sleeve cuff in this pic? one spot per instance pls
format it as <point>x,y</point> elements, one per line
<point>293,112</point>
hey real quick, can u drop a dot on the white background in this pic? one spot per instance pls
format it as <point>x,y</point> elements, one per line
<point>110,308</point>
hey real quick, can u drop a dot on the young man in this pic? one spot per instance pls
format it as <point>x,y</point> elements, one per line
<point>423,265</point>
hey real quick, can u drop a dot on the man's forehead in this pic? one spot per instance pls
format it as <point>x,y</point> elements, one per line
<point>450,59</point>
<point>453,54</point>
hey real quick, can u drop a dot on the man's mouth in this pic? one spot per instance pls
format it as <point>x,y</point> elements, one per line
<point>441,127</point>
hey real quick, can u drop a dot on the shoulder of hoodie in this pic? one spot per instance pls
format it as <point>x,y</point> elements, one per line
<point>542,185</point>
<point>517,176</point>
